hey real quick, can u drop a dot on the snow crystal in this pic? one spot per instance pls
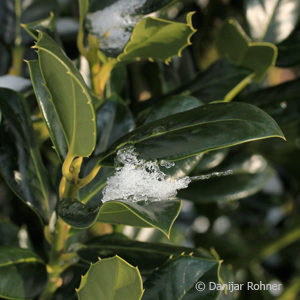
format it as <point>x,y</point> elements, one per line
<point>136,180</point>
<point>113,25</point>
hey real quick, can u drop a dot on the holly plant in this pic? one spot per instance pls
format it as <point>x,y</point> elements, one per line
<point>119,117</point>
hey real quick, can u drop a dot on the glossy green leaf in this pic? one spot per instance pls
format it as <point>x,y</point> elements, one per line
<point>77,214</point>
<point>69,95</point>
<point>157,214</point>
<point>280,101</point>
<point>47,25</point>
<point>22,273</point>
<point>210,160</point>
<point>249,174</point>
<point>158,39</point>
<point>114,120</point>
<point>170,106</point>
<point>176,279</point>
<point>111,278</point>
<point>289,51</point>
<point>20,162</point>
<point>207,128</point>
<point>233,44</point>
<point>47,108</point>
<point>271,21</point>
<point>215,82</point>
<point>147,256</point>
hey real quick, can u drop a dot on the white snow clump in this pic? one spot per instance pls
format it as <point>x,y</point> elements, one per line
<point>137,180</point>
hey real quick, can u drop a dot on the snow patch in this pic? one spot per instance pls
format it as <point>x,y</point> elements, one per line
<point>114,24</point>
<point>139,180</point>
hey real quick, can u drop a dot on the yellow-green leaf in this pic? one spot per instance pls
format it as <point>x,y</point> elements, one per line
<point>70,96</point>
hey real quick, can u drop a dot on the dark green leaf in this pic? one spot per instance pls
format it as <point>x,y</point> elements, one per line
<point>22,273</point>
<point>170,106</point>
<point>210,160</point>
<point>111,278</point>
<point>158,39</point>
<point>77,214</point>
<point>114,120</point>
<point>280,101</point>
<point>216,82</point>
<point>158,214</point>
<point>147,256</point>
<point>4,59</point>
<point>20,162</point>
<point>177,278</point>
<point>249,174</point>
<point>207,128</point>
<point>233,44</point>
<point>70,97</point>
<point>48,109</point>
<point>47,25</point>
<point>289,51</point>
<point>8,234</point>
<point>271,21</point>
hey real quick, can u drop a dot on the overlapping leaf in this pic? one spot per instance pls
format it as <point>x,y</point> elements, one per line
<point>47,108</point>
<point>158,39</point>
<point>111,278</point>
<point>20,161</point>
<point>22,273</point>
<point>280,101</point>
<point>203,129</point>
<point>69,96</point>
<point>160,215</point>
<point>147,256</point>
<point>176,279</point>
<point>248,174</point>
<point>234,45</point>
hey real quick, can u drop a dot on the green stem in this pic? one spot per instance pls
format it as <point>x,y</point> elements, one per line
<point>238,88</point>
<point>56,264</point>
<point>284,241</point>
<point>18,50</point>
<point>17,61</point>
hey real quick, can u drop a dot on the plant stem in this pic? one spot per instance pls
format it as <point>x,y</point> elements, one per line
<point>56,264</point>
<point>238,88</point>
<point>17,60</point>
<point>18,49</point>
